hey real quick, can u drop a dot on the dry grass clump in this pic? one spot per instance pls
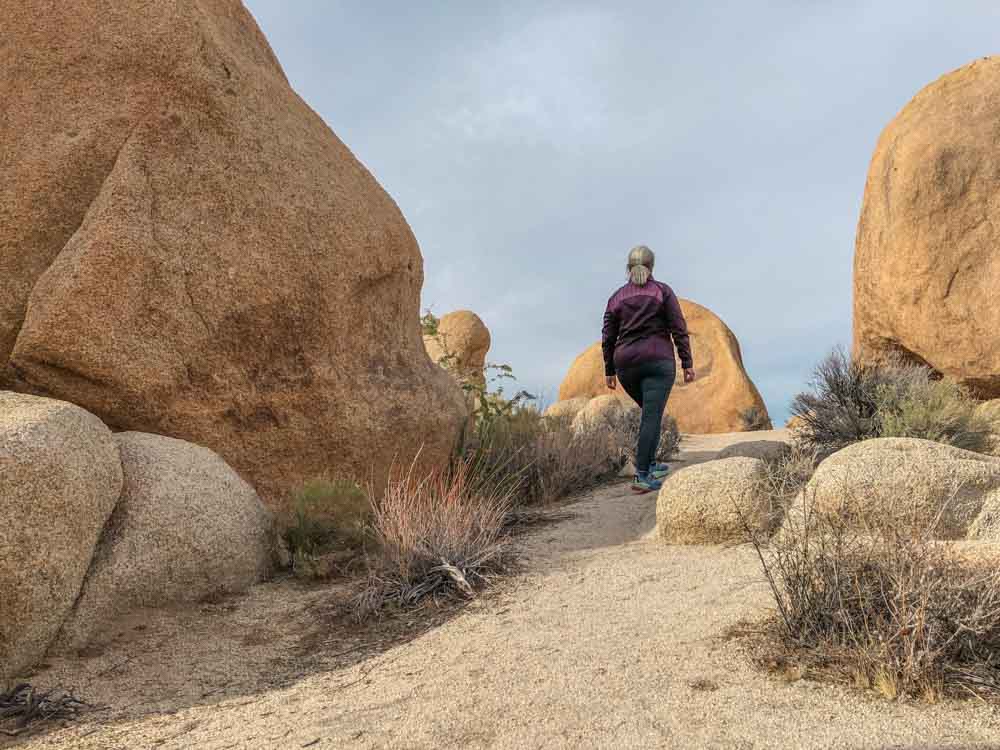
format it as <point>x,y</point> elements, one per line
<point>542,456</point>
<point>329,517</point>
<point>440,537</point>
<point>785,476</point>
<point>755,419</point>
<point>622,430</point>
<point>877,602</point>
<point>850,401</point>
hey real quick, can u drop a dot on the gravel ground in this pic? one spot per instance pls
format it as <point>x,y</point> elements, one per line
<point>608,639</point>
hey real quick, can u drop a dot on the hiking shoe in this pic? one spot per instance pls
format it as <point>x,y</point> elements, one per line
<point>643,484</point>
<point>659,471</point>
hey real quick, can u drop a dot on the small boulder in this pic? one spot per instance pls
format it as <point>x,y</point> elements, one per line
<point>460,346</point>
<point>765,450</point>
<point>567,409</point>
<point>713,502</point>
<point>606,413</point>
<point>914,481</point>
<point>60,477</point>
<point>186,527</point>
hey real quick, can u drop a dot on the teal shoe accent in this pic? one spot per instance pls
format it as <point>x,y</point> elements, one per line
<point>645,483</point>
<point>659,471</point>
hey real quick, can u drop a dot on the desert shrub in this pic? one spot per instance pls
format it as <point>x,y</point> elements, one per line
<point>755,419</point>
<point>440,537</point>
<point>541,457</point>
<point>877,602</point>
<point>850,401</point>
<point>621,431</point>
<point>327,515</point>
<point>939,410</point>
<point>785,476</point>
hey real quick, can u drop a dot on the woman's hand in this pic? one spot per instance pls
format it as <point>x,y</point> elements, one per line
<point>612,382</point>
<point>689,375</point>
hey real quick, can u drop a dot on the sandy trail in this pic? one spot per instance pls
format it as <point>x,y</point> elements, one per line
<point>609,639</point>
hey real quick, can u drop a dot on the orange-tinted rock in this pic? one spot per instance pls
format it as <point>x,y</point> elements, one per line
<point>460,345</point>
<point>715,402</point>
<point>187,249</point>
<point>926,266</point>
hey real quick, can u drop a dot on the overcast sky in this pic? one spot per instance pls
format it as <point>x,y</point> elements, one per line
<point>531,144</point>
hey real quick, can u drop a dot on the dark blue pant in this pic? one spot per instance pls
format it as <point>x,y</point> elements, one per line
<point>649,386</point>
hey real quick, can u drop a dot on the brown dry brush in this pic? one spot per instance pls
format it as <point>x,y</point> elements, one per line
<point>441,537</point>
<point>24,706</point>
<point>879,602</point>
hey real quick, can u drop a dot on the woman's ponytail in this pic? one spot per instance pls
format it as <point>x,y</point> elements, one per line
<point>640,265</point>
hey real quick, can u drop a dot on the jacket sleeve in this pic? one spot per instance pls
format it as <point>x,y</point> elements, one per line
<point>678,328</point>
<point>609,338</point>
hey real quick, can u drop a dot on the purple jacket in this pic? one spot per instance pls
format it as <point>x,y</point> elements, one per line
<point>638,325</point>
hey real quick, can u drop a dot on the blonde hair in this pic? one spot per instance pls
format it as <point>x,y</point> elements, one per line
<point>640,265</point>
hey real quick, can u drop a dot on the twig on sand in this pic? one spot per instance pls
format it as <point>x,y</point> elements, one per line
<point>24,705</point>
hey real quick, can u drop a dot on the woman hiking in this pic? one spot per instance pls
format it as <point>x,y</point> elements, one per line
<point>640,320</point>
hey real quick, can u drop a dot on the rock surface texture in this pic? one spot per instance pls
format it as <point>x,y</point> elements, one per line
<point>461,345</point>
<point>914,481</point>
<point>60,477</point>
<point>709,503</point>
<point>926,265</point>
<point>715,402</point>
<point>186,528</point>
<point>766,450</point>
<point>187,249</point>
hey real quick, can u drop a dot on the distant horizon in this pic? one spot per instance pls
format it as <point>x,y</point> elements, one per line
<point>530,147</point>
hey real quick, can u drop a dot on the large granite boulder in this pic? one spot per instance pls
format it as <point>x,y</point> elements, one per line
<point>60,477</point>
<point>926,266</point>
<point>919,483</point>
<point>186,528</point>
<point>716,502</point>
<point>187,249</point>
<point>717,401</point>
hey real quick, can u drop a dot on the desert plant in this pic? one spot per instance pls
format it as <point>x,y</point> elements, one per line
<point>326,515</point>
<point>544,458</point>
<point>784,477</point>
<point>623,430</point>
<point>874,600</point>
<point>755,419</point>
<point>850,401</point>
<point>440,537</point>
<point>939,410</point>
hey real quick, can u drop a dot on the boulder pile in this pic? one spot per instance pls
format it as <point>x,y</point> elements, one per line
<point>97,525</point>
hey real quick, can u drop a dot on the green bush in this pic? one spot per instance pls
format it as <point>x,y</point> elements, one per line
<point>938,410</point>
<point>850,401</point>
<point>327,516</point>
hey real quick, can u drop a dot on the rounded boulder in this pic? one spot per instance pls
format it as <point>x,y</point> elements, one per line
<point>716,502</point>
<point>926,268</point>
<point>460,346</point>
<point>60,478</point>
<point>766,450</point>
<point>907,480</point>
<point>719,400</point>
<point>187,527</point>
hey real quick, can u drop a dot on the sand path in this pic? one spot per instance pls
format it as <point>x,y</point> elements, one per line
<point>609,639</point>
